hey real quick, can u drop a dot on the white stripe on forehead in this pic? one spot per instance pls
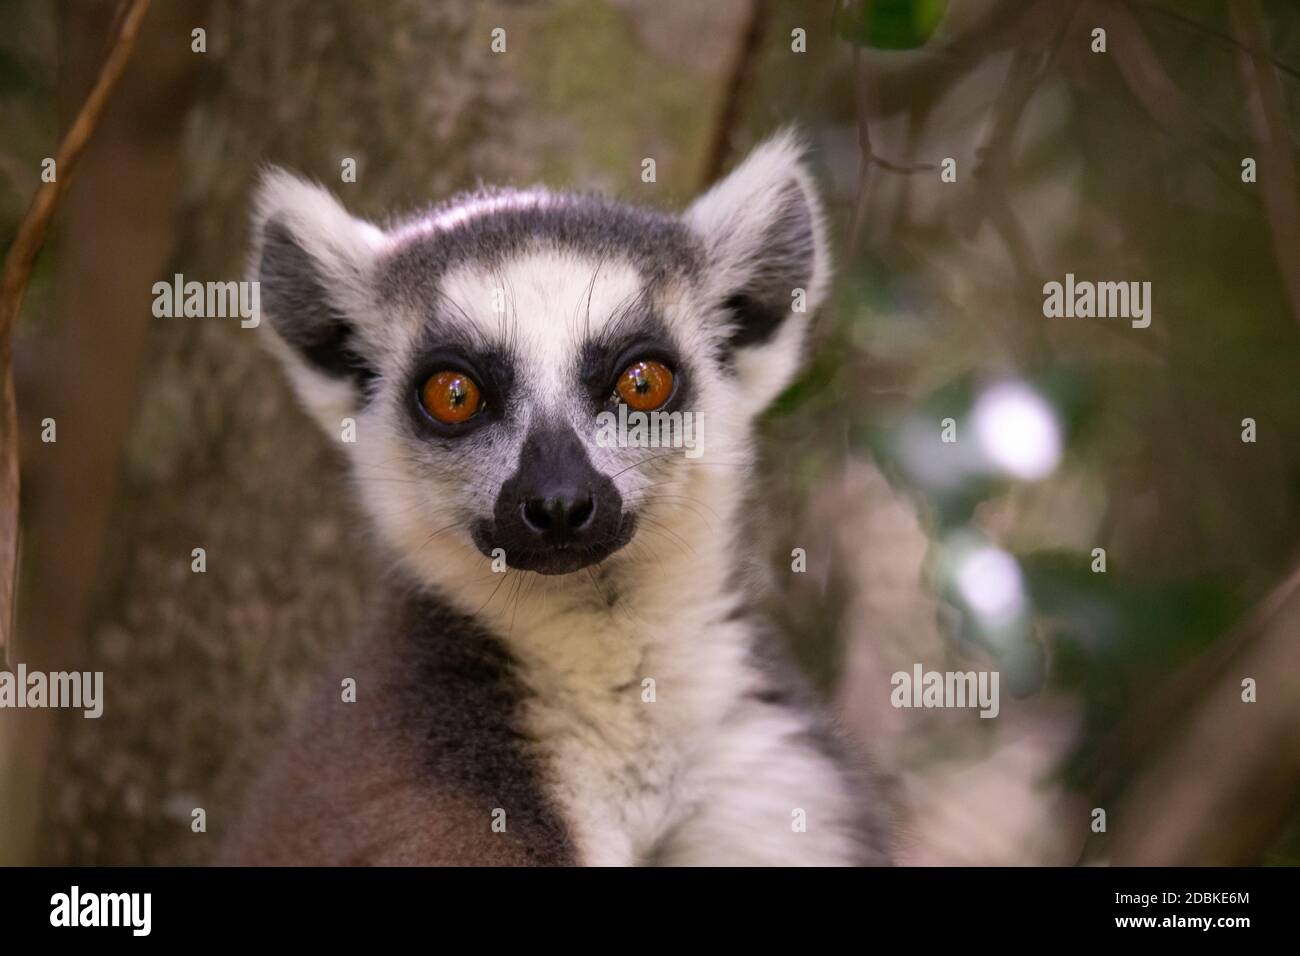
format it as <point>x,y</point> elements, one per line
<point>546,303</point>
<point>462,213</point>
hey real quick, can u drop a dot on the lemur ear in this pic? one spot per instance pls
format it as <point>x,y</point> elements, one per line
<point>768,262</point>
<point>312,261</point>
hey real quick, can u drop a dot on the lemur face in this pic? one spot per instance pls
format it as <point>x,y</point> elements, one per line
<point>497,354</point>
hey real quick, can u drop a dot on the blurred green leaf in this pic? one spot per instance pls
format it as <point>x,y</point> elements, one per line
<point>889,24</point>
<point>14,77</point>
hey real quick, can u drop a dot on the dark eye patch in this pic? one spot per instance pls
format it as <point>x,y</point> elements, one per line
<point>491,367</point>
<point>601,362</point>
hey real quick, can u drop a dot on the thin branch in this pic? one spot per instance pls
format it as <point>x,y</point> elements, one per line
<point>1207,30</point>
<point>1042,18</point>
<point>993,161</point>
<point>1143,73</point>
<point>1268,119</point>
<point>751,40</point>
<point>941,66</point>
<point>1218,789</point>
<point>864,97</point>
<point>860,94</point>
<point>13,282</point>
<point>1046,30</point>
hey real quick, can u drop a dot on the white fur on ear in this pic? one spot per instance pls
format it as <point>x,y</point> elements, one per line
<point>313,262</point>
<point>765,236</point>
<point>340,246</point>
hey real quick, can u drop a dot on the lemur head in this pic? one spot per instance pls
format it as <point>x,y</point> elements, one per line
<point>494,352</point>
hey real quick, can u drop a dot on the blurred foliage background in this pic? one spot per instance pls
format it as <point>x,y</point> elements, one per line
<point>1122,687</point>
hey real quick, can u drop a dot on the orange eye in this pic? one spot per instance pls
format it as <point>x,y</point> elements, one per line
<point>451,397</point>
<point>645,385</point>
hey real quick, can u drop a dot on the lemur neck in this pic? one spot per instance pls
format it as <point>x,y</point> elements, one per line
<point>620,623</point>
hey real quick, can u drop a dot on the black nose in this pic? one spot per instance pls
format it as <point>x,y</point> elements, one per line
<point>556,514</point>
<point>558,517</point>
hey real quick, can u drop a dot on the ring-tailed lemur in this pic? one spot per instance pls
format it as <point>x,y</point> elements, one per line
<point>567,669</point>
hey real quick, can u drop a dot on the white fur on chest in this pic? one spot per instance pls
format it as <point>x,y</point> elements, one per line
<point>702,773</point>
<point>698,772</point>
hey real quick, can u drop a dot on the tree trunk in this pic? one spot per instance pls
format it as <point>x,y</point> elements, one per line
<point>202,668</point>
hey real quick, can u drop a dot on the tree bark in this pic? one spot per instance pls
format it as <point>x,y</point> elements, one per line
<point>201,669</point>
